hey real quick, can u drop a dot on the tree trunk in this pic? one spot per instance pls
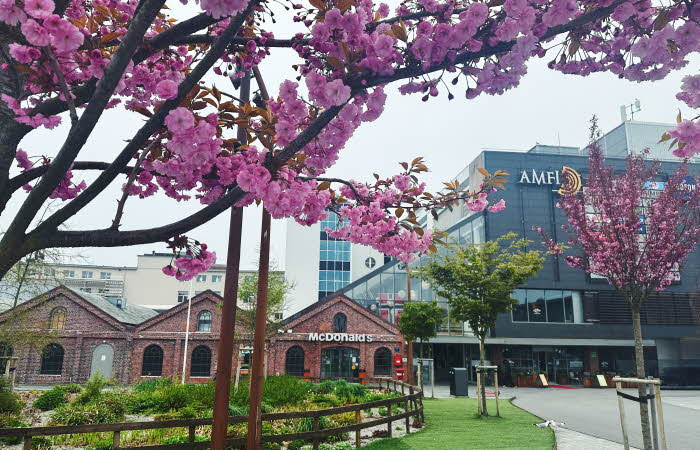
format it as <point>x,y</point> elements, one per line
<point>482,359</point>
<point>639,360</point>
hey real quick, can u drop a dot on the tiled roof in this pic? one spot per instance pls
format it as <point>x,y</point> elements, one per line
<point>129,314</point>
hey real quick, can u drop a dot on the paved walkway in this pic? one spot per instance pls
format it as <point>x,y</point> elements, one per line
<point>573,440</point>
<point>594,412</point>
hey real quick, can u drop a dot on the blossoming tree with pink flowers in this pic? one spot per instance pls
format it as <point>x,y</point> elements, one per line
<point>633,236</point>
<point>70,60</point>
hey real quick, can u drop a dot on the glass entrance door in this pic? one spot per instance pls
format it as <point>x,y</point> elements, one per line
<point>340,362</point>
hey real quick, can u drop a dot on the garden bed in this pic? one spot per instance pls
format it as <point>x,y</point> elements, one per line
<point>163,400</point>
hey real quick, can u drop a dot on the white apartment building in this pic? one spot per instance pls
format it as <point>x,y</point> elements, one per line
<point>145,284</point>
<point>318,265</point>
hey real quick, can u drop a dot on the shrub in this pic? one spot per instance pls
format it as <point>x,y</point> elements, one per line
<point>173,397</point>
<point>383,411</point>
<point>307,424</point>
<point>350,393</point>
<point>344,419</point>
<point>70,388</point>
<point>93,389</point>
<point>153,384</point>
<point>50,399</point>
<point>142,402</point>
<point>9,403</point>
<point>325,400</point>
<point>109,408</point>
<point>11,421</point>
<point>284,390</point>
<point>105,444</point>
<point>234,410</point>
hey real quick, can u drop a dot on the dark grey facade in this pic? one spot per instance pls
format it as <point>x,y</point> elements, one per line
<point>568,324</point>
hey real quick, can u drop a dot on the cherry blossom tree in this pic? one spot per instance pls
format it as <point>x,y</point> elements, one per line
<point>70,60</point>
<point>635,231</point>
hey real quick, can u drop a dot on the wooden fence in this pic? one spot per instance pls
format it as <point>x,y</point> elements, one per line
<point>411,401</point>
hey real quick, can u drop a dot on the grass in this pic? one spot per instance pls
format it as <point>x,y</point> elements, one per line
<point>452,424</point>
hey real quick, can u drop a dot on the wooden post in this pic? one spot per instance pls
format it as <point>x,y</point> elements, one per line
<point>316,440</point>
<point>358,433</point>
<point>27,443</point>
<point>495,380</point>
<point>410,391</point>
<point>621,406</point>
<point>652,413</point>
<point>388,426</point>
<point>403,386</point>
<point>408,418</point>
<point>660,412</point>
<point>116,437</point>
<point>478,391</point>
<point>191,434</point>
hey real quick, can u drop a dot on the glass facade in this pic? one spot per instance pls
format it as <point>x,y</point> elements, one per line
<point>334,260</point>
<point>547,306</point>
<point>385,290</point>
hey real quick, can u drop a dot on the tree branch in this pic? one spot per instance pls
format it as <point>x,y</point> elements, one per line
<point>153,124</point>
<point>79,134</point>
<point>63,86</point>
<point>127,186</point>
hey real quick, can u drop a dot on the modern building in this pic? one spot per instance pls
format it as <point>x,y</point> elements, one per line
<point>567,323</point>
<point>66,336</point>
<point>318,265</point>
<point>144,284</point>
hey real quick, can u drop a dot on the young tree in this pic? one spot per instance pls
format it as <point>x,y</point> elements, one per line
<point>70,60</point>
<point>633,234</point>
<point>478,281</point>
<point>420,320</point>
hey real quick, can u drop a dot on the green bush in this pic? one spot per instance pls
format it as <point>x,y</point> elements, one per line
<point>383,411</point>
<point>108,408</point>
<point>285,390</point>
<point>175,396</point>
<point>142,402</point>
<point>70,388</point>
<point>93,389</point>
<point>11,421</point>
<point>50,399</point>
<point>9,403</point>
<point>307,424</point>
<point>153,384</point>
<point>183,438</point>
<point>105,444</point>
<point>234,410</point>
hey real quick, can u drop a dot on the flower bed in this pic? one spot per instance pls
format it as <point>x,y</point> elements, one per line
<point>163,400</point>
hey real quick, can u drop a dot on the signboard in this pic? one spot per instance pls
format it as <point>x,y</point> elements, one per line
<point>568,179</point>
<point>339,337</point>
<point>601,380</point>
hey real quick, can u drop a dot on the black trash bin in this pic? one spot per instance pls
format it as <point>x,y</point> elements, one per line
<point>458,382</point>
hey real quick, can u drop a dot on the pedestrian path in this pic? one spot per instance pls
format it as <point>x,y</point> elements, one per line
<point>573,440</point>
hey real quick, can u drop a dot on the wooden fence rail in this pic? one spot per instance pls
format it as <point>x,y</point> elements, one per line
<point>411,402</point>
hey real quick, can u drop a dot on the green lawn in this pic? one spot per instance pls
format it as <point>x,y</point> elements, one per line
<point>452,424</point>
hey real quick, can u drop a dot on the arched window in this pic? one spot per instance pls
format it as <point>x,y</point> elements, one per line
<point>52,360</point>
<point>382,362</point>
<point>294,361</point>
<point>57,320</point>
<point>152,365</point>
<point>6,352</point>
<point>204,321</point>
<point>340,323</point>
<point>200,366</point>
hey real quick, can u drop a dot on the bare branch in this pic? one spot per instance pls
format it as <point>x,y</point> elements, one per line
<point>129,182</point>
<point>63,86</point>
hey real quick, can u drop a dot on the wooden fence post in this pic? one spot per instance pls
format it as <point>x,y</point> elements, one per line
<point>408,418</point>
<point>358,433</point>
<point>389,427</point>
<point>116,438</point>
<point>403,387</point>
<point>621,406</point>
<point>495,380</point>
<point>660,412</point>
<point>191,433</point>
<point>316,440</point>
<point>27,443</point>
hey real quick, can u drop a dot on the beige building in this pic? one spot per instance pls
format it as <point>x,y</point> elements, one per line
<point>145,284</point>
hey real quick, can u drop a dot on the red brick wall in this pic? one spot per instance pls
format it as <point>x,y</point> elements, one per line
<point>359,321</point>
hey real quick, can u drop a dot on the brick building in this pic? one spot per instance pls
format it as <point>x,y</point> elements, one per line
<point>64,336</point>
<point>335,337</point>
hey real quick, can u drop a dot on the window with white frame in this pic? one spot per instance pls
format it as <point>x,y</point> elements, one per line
<point>182,296</point>
<point>216,278</point>
<point>201,278</point>
<point>87,274</point>
<point>105,275</point>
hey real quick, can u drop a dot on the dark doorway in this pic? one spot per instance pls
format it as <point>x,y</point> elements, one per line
<point>340,362</point>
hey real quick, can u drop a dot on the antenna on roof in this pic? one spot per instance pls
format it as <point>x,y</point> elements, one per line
<point>633,108</point>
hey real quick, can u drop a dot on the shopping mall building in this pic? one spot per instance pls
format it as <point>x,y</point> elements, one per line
<point>567,324</point>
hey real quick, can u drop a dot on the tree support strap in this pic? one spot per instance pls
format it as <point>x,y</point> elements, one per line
<point>642,399</point>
